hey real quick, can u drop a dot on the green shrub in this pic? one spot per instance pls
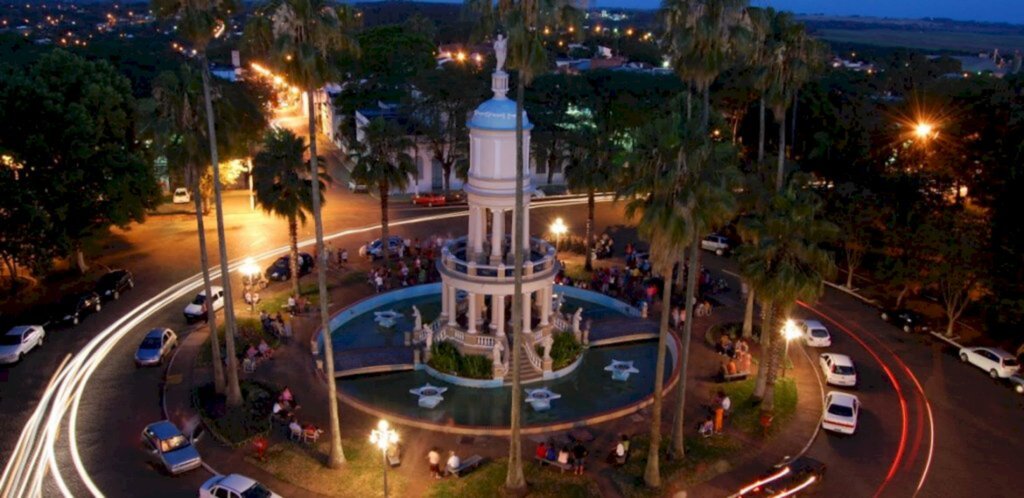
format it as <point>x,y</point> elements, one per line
<point>445,357</point>
<point>564,350</point>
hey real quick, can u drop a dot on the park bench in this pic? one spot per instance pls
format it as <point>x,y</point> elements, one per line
<point>467,465</point>
<point>724,377</point>
<point>554,463</point>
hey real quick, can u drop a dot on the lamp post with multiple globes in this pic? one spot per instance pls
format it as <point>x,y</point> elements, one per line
<point>383,437</point>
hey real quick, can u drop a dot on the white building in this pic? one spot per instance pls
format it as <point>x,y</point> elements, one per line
<point>477,270</point>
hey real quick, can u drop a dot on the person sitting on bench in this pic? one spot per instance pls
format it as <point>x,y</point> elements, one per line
<point>454,462</point>
<point>707,427</point>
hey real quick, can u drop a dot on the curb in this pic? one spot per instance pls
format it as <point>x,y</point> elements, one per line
<point>163,399</point>
<point>945,339</point>
<point>821,391</point>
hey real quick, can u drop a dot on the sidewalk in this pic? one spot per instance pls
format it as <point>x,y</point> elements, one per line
<point>293,366</point>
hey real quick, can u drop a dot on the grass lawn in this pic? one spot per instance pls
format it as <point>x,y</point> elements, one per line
<point>303,466</point>
<point>703,456</point>
<point>489,480</point>
<point>746,414</point>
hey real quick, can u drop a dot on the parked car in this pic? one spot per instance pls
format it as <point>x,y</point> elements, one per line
<point>998,363</point>
<point>718,244</point>
<point>234,486</point>
<point>909,321</point>
<point>18,341</point>
<point>181,196</point>
<point>841,410</point>
<point>281,268</point>
<point>170,449</point>
<point>791,477</point>
<point>74,307</point>
<point>396,245</point>
<point>196,310</point>
<point>114,283</point>
<point>815,334</point>
<point>429,200</point>
<point>157,344</point>
<point>838,369</point>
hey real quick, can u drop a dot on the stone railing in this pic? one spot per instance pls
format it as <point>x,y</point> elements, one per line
<point>531,353</point>
<point>455,259</point>
<point>560,322</point>
<point>477,341</point>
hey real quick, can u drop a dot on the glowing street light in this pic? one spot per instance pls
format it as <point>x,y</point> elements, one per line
<point>558,228</point>
<point>925,130</point>
<point>789,331</point>
<point>384,437</point>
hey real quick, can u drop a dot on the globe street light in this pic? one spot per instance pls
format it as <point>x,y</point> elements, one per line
<point>789,331</point>
<point>924,130</point>
<point>558,228</point>
<point>249,271</point>
<point>383,437</point>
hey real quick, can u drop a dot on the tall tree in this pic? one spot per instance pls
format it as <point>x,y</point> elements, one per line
<point>281,181</point>
<point>446,97</point>
<point>179,133</point>
<point>69,128</point>
<point>306,40</point>
<point>786,263</point>
<point>382,160</point>
<point>702,36</point>
<point>523,20</point>
<point>654,184</point>
<point>199,22</point>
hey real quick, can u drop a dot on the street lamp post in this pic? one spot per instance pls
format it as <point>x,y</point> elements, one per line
<point>250,271</point>
<point>790,331</point>
<point>558,228</point>
<point>383,437</point>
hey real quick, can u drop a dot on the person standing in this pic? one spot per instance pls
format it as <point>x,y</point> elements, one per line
<point>434,459</point>
<point>579,457</point>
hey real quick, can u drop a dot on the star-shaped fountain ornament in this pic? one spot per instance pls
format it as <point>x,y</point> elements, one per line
<point>386,319</point>
<point>540,399</point>
<point>429,395</point>
<point>621,370</point>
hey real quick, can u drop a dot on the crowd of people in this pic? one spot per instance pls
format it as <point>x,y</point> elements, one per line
<point>718,410</point>
<point>573,454</point>
<point>285,411</point>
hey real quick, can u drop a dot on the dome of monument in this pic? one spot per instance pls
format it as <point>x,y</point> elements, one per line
<point>498,114</point>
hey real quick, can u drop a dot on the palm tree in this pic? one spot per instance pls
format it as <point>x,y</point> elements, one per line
<point>709,202</point>
<point>589,169</point>
<point>701,36</point>
<point>786,263</point>
<point>382,160</point>
<point>523,21</point>
<point>282,187</point>
<point>304,39</point>
<point>177,96</point>
<point>199,22</point>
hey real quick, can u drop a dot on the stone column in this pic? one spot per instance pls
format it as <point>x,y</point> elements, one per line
<point>481,310</point>
<point>471,314</point>
<point>444,300</point>
<point>497,235</point>
<point>498,315</point>
<point>480,229</point>
<point>526,231</point>
<point>453,309</point>
<point>545,305</point>
<point>527,309</point>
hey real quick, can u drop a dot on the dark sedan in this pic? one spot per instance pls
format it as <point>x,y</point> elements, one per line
<point>281,268</point>
<point>73,308</point>
<point>909,321</point>
<point>114,283</point>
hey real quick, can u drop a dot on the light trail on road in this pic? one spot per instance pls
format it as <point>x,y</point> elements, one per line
<point>34,454</point>
<point>899,391</point>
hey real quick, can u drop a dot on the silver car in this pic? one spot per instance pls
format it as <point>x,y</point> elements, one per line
<point>170,448</point>
<point>157,344</point>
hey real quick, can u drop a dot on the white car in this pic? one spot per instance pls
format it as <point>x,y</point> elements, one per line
<point>998,363</point>
<point>815,334</point>
<point>196,310</point>
<point>838,369</point>
<point>234,486</point>
<point>841,412</point>
<point>715,243</point>
<point>20,340</point>
<point>181,196</point>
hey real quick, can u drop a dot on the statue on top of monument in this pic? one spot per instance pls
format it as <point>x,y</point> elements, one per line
<point>500,52</point>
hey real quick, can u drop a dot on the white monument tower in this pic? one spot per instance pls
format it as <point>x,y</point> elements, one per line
<point>477,270</point>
